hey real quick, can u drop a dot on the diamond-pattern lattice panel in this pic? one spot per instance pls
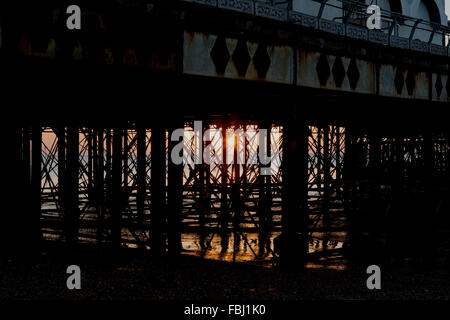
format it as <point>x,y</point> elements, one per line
<point>210,55</point>
<point>321,70</point>
<point>440,87</point>
<point>403,82</point>
<point>241,58</point>
<point>338,72</point>
<point>399,80</point>
<point>353,74</point>
<point>447,86</point>
<point>410,83</point>
<point>220,55</point>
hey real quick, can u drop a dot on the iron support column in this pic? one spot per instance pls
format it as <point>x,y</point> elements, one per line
<point>175,199</point>
<point>117,192</point>
<point>158,182</point>
<point>71,187</point>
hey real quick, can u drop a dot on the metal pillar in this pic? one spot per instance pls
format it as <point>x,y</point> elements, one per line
<point>141,173</point>
<point>326,185</point>
<point>99,183</point>
<point>174,201</point>
<point>61,164</point>
<point>348,183</point>
<point>447,165</point>
<point>18,219</point>
<point>31,230</point>
<point>236,190</point>
<point>92,149</point>
<point>303,177</point>
<point>224,212</point>
<point>158,181</point>
<point>224,182</point>
<point>125,148</point>
<point>397,234</point>
<point>71,213</point>
<point>375,209</point>
<point>264,196</point>
<point>108,169</point>
<point>236,198</point>
<point>291,246</point>
<point>426,224</point>
<point>116,194</point>
<point>36,161</point>
<point>200,186</point>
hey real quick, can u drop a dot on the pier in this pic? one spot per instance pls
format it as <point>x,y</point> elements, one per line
<point>358,118</point>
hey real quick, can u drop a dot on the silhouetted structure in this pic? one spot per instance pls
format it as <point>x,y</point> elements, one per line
<point>357,116</point>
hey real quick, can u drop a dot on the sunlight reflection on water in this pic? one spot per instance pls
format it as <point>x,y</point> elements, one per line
<point>252,247</point>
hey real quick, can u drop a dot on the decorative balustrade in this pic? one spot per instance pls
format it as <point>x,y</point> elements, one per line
<point>344,26</point>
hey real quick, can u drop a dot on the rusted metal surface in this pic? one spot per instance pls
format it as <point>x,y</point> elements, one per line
<point>210,55</point>
<point>430,33</point>
<point>203,55</point>
<point>307,51</point>
<point>331,63</point>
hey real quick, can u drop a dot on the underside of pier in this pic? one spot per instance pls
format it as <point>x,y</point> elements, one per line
<point>86,152</point>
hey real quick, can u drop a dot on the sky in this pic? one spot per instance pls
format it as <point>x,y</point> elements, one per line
<point>447,7</point>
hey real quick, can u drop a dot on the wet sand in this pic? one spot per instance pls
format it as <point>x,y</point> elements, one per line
<point>134,275</point>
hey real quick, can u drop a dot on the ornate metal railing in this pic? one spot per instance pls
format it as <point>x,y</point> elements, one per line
<point>397,30</point>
